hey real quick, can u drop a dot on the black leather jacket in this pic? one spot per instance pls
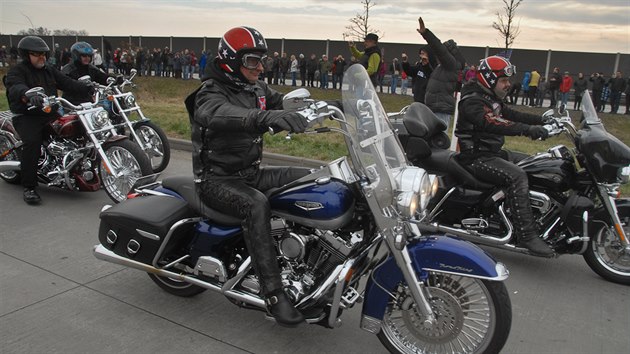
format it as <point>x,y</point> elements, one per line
<point>228,120</point>
<point>76,71</point>
<point>25,76</point>
<point>484,121</point>
<point>443,80</point>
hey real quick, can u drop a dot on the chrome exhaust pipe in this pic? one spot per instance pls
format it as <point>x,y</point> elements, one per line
<point>104,254</point>
<point>477,237</point>
<point>6,166</point>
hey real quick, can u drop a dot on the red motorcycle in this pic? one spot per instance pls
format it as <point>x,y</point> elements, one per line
<point>81,151</point>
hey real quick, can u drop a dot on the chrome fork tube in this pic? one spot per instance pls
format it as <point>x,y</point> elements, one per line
<point>401,256</point>
<point>611,207</point>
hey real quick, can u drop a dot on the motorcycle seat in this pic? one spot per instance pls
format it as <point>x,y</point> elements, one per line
<point>185,187</point>
<point>444,161</point>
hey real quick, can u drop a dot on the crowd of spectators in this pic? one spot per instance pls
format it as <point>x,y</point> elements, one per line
<point>395,76</point>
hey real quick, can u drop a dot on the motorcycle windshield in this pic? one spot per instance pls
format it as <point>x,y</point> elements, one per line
<point>374,149</point>
<point>589,114</point>
<point>605,153</point>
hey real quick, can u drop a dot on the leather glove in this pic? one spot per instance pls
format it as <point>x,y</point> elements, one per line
<point>291,122</point>
<point>36,101</point>
<point>536,132</point>
<point>120,79</point>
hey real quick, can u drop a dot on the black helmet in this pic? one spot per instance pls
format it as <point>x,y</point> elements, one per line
<point>81,48</point>
<point>237,42</point>
<point>32,44</point>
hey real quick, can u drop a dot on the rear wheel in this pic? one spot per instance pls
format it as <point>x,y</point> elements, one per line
<point>472,316</point>
<point>606,255</point>
<point>157,147</point>
<point>129,161</point>
<point>8,153</point>
<point>176,287</point>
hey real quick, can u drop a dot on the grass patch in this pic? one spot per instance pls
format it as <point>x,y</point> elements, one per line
<point>162,100</point>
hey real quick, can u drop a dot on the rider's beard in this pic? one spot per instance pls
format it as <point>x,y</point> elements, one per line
<point>39,63</point>
<point>500,93</point>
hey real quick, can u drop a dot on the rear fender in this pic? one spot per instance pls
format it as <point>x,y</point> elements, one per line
<point>441,254</point>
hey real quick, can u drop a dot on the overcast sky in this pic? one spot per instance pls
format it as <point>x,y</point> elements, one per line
<point>601,26</point>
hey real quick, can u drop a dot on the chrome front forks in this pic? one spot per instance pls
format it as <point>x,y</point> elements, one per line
<point>398,247</point>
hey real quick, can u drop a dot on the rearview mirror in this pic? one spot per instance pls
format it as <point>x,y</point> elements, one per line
<point>85,78</point>
<point>297,99</point>
<point>548,113</point>
<point>35,91</point>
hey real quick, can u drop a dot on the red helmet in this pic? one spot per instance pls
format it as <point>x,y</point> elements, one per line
<point>492,68</point>
<point>236,43</point>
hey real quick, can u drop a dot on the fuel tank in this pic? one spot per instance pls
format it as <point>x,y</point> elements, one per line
<point>548,171</point>
<point>324,203</point>
<point>67,126</point>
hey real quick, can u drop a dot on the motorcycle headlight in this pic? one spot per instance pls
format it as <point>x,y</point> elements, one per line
<point>416,187</point>
<point>130,101</point>
<point>407,203</point>
<point>409,179</point>
<point>429,187</point>
<point>100,119</point>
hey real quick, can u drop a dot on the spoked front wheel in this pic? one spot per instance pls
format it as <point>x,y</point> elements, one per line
<point>472,316</point>
<point>129,164</point>
<point>156,145</point>
<point>606,255</point>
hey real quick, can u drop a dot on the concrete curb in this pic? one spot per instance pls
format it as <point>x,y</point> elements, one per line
<point>269,158</point>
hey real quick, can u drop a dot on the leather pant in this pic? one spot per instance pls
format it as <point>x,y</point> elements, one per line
<point>31,130</point>
<point>243,197</point>
<point>502,171</point>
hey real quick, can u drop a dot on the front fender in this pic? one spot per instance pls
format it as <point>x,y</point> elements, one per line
<point>443,254</point>
<point>115,138</point>
<point>623,208</point>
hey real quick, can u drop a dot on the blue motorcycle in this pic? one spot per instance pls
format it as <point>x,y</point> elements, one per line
<point>352,220</point>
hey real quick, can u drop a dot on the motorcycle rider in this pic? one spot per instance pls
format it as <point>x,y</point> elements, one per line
<point>483,122</point>
<point>229,113</point>
<point>31,123</point>
<point>81,65</point>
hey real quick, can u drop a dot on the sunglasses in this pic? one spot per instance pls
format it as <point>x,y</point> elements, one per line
<point>37,54</point>
<point>251,61</point>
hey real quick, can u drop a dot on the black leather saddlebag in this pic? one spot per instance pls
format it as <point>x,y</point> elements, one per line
<point>136,228</point>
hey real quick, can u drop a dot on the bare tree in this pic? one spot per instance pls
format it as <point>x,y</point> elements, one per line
<point>359,26</point>
<point>70,32</point>
<point>43,31</point>
<point>39,31</point>
<point>505,23</point>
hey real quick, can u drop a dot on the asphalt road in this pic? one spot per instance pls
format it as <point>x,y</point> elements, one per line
<point>55,297</point>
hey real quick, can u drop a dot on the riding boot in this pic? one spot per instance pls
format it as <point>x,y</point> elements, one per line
<point>281,308</point>
<point>265,263</point>
<point>535,245</point>
<point>523,221</point>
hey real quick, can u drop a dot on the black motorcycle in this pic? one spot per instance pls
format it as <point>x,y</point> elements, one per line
<point>574,193</point>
